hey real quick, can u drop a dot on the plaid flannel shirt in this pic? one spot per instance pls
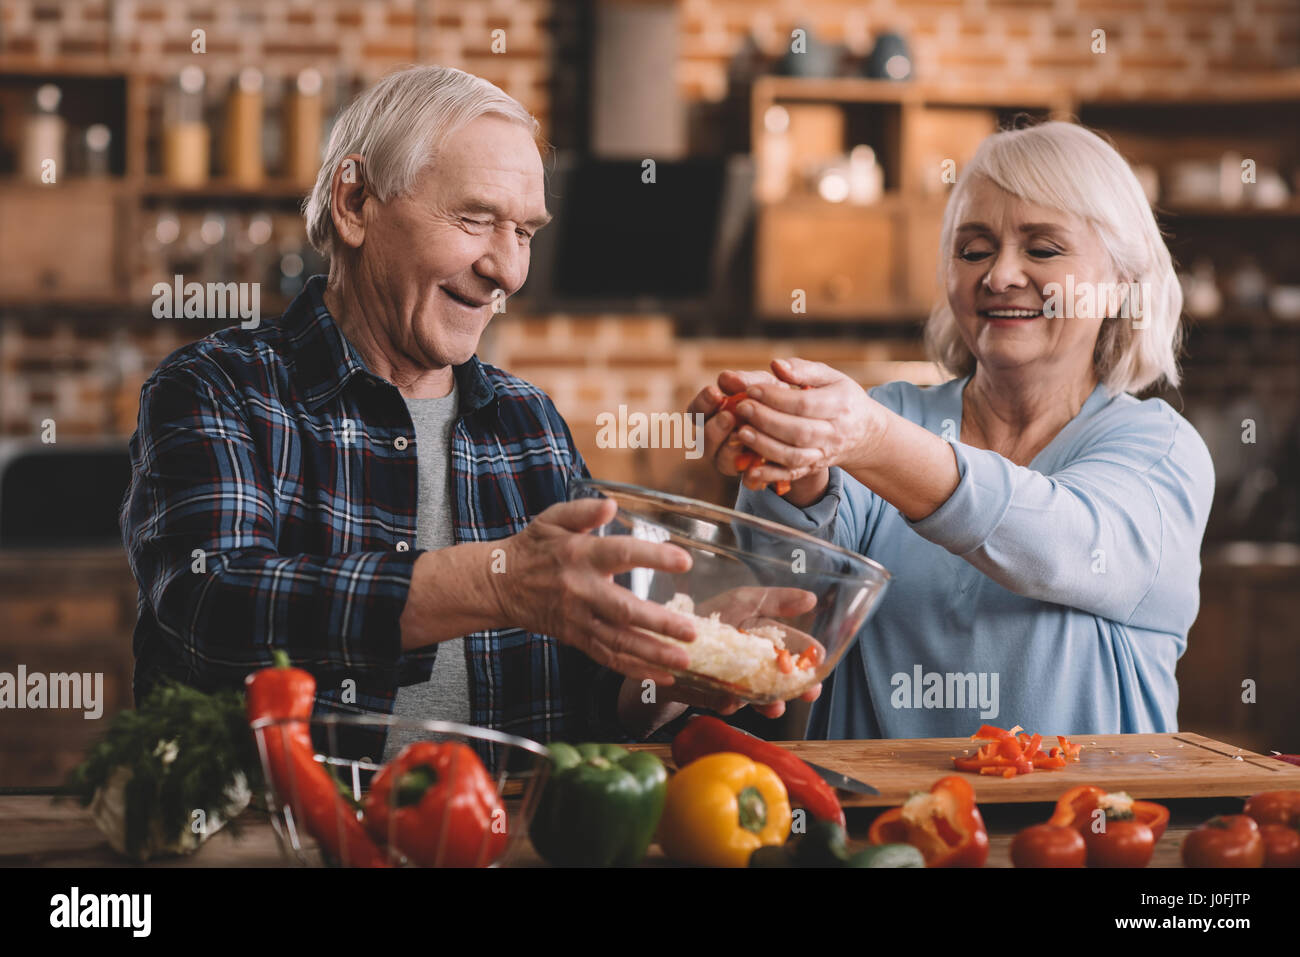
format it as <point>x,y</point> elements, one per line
<point>272,505</point>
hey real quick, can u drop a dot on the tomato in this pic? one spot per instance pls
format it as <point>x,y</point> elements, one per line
<point>1047,845</point>
<point>1124,843</point>
<point>1281,845</point>
<point>1230,840</point>
<point>1274,807</point>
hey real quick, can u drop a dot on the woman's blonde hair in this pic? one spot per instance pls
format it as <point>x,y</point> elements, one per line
<point>398,126</point>
<point>1070,168</point>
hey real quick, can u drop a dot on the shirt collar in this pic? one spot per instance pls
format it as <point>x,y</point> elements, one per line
<point>324,359</point>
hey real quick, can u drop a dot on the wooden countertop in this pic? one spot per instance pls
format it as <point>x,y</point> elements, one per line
<point>39,831</point>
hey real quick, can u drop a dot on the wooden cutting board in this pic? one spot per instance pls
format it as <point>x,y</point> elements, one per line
<point>1147,766</point>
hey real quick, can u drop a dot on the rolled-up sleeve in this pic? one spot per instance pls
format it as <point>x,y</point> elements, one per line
<point>199,524</point>
<point>1115,533</point>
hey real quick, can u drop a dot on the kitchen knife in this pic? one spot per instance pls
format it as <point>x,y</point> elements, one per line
<point>842,781</point>
<point>834,778</point>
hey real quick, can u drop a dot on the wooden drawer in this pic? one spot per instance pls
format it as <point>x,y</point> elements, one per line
<point>61,618</point>
<point>58,241</point>
<point>842,257</point>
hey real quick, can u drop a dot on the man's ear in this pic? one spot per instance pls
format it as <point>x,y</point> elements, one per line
<point>348,197</point>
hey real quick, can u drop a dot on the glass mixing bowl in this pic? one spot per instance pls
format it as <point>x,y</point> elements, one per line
<point>776,608</point>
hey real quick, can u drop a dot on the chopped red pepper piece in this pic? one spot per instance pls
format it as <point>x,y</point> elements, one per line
<point>1009,753</point>
<point>747,458</point>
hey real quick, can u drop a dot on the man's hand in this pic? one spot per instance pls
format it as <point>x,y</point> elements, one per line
<point>641,719</point>
<point>558,580</point>
<point>734,607</point>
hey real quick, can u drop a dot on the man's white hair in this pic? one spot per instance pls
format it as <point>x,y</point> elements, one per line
<point>1066,167</point>
<point>398,127</point>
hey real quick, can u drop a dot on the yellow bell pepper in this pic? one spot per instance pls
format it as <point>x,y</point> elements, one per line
<point>720,808</point>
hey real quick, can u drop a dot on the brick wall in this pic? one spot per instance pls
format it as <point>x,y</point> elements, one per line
<point>363,38</point>
<point>1150,44</point>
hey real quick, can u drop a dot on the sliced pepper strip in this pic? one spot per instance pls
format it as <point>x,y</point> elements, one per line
<point>747,458</point>
<point>1009,753</point>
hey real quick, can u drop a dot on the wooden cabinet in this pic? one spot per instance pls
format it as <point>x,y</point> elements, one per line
<point>871,260</point>
<point>1245,632</point>
<point>57,241</point>
<point>63,613</point>
<point>826,260</point>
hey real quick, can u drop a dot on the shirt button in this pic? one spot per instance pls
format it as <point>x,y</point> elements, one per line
<point>403,547</point>
<point>400,443</point>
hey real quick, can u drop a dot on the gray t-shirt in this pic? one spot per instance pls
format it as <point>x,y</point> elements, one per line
<point>445,696</point>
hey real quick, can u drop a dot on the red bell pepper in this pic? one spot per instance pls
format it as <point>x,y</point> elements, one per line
<point>705,734</point>
<point>1075,807</point>
<point>300,782</point>
<point>436,804</point>
<point>944,825</point>
<point>1130,831</point>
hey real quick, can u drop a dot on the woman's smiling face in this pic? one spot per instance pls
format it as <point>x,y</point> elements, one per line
<point>1004,252</point>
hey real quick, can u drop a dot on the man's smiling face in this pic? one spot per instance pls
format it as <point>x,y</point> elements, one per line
<point>438,254</point>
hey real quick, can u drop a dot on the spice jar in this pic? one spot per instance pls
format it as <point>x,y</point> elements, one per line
<point>242,139</point>
<point>43,137</point>
<point>185,134</point>
<point>302,128</point>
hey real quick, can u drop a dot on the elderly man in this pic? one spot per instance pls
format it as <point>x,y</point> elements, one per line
<point>351,485</point>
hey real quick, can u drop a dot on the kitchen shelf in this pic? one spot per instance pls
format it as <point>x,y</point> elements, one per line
<point>219,189</point>
<point>1219,211</point>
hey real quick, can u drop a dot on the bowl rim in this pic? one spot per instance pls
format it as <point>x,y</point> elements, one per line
<point>422,724</point>
<point>731,513</point>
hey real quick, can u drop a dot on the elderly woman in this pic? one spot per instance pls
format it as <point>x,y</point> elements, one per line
<point>1042,524</point>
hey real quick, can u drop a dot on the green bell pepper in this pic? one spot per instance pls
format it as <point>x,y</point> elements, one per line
<point>600,807</point>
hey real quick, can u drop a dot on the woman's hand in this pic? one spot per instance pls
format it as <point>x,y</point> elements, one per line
<point>829,420</point>
<point>720,443</point>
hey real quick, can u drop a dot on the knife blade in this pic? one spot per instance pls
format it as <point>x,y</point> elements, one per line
<point>841,781</point>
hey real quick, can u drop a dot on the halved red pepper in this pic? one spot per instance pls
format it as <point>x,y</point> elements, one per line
<point>436,804</point>
<point>302,783</point>
<point>944,825</point>
<point>1129,834</point>
<point>1075,807</point>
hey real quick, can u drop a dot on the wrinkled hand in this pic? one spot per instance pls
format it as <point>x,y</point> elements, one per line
<point>803,432</point>
<point>721,444</point>
<point>726,704</point>
<point>559,581</point>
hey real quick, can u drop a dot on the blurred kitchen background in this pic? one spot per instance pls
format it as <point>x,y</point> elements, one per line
<point>819,170</point>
